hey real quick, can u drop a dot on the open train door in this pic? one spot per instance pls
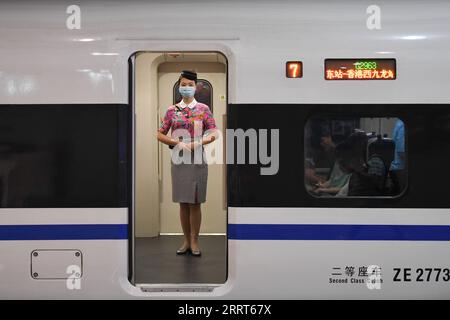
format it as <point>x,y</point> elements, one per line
<point>155,218</point>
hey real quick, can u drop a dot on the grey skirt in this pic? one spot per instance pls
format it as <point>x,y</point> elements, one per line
<point>189,181</point>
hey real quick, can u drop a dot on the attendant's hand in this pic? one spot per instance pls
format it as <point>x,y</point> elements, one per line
<point>194,145</point>
<point>183,146</point>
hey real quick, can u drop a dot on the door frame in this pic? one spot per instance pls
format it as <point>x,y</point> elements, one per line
<point>131,189</point>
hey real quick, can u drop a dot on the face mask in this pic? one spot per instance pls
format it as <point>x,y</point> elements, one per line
<point>187,92</point>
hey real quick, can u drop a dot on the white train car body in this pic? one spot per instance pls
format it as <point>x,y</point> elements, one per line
<point>43,62</point>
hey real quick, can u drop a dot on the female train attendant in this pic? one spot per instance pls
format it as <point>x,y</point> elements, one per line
<point>189,178</point>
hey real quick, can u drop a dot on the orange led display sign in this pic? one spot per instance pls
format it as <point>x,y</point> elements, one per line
<point>360,69</point>
<point>294,69</point>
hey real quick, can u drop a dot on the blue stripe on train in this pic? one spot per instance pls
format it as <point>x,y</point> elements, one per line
<point>64,232</point>
<point>338,232</point>
<point>240,232</point>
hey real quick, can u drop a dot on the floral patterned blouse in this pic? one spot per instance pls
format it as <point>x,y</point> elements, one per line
<point>185,118</point>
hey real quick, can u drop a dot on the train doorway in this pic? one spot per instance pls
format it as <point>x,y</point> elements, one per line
<point>157,232</point>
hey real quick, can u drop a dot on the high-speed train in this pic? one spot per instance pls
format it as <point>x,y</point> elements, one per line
<point>83,87</point>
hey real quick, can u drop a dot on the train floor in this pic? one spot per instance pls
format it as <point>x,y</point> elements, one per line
<point>157,261</point>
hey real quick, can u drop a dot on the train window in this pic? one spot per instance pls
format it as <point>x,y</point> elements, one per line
<point>71,156</point>
<point>355,157</point>
<point>203,93</point>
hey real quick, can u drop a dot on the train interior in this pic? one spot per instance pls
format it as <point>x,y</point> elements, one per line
<point>354,156</point>
<point>158,232</point>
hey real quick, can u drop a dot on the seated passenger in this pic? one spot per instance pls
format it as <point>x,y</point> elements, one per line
<point>367,178</point>
<point>344,190</point>
<point>311,176</point>
<point>333,185</point>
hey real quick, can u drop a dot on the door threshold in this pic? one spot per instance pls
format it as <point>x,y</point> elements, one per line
<point>174,287</point>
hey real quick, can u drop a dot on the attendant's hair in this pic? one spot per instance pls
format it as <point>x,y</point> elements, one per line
<point>190,75</point>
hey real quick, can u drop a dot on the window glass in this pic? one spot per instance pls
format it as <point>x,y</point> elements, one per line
<point>63,156</point>
<point>355,157</point>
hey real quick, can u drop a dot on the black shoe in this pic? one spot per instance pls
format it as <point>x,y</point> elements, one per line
<point>196,253</point>
<point>180,252</point>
